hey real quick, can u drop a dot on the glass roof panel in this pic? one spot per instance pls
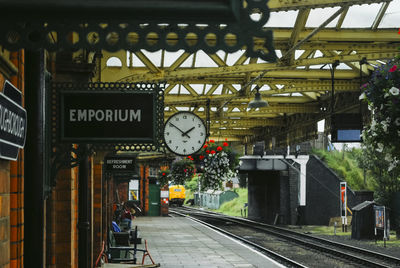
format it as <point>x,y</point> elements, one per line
<point>136,62</point>
<point>171,57</point>
<point>203,60</point>
<point>114,62</point>
<point>233,57</point>
<point>391,17</point>
<point>197,87</point>
<point>188,62</point>
<point>154,57</point>
<point>319,15</point>
<point>282,19</point>
<point>361,16</point>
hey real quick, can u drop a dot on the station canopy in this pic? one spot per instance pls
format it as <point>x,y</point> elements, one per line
<point>291,58</point>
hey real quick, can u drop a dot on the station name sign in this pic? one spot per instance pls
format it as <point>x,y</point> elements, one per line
<point>119,163</point>
<point>12,122</point>
<point>100,116</point>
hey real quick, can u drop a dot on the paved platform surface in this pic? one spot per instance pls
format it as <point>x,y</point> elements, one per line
<point>177,242</point>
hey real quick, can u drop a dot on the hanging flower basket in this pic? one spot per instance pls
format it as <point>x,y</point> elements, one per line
<point>163,177</point>
<point>218,162</point>
<point>182,171</point>
<point>382,93</point>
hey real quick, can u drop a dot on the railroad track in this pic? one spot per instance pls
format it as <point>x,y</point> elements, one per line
<point>340,252</point>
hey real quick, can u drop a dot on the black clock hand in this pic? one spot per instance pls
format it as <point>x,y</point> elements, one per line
<point>183,134</point>
<point>186,132</point>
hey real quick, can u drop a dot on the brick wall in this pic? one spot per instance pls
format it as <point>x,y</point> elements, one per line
<point>123,188</point>
<point>62,242</point>
<point>144,189</point>
<point>97,209</point>
<point>4,213</point>
<point>17,180</point>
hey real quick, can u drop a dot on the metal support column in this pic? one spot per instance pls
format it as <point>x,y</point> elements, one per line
<point>34,159</point>
<point>83,209</point>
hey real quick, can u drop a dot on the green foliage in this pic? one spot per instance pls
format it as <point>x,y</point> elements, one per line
<point>346,166</point>
<point>233,207</point>
<point>192,185</point>
<point>163,177</point>
<point>181,171</point>
<point>382,93</point>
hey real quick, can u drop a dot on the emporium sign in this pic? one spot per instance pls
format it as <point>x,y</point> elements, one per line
<point>12,122</point>
<point>99,116</point>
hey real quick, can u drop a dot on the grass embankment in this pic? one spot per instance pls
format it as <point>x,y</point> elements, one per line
<point>329,230</point>
<point>345,165</point>
<point>234,207</point>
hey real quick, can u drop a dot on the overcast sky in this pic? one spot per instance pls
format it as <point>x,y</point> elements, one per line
<point>357,16</point>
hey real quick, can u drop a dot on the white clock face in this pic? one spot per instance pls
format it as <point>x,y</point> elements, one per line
<point>184,133</point>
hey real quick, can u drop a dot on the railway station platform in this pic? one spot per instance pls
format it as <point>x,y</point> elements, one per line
<point>177,242</point>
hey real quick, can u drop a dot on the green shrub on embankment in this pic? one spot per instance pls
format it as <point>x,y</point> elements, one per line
<point>344,164</point>
<point>233,207</point>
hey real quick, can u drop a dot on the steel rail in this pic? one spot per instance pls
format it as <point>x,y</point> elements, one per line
<point>278,232</point>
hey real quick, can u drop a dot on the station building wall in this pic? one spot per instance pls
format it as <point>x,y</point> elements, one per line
<point>323,194</point>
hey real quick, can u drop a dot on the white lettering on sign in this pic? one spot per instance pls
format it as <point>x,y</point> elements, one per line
<point>11,123</point>
<point>119,166</point>
<point>119,161</point>
<point>118,115</point>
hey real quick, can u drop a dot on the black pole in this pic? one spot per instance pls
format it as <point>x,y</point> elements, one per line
<point>334,65</point>
<point>34,159</point>
<point>83,209</point>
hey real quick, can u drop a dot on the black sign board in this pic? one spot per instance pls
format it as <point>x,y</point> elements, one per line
<point>12,122</point>
<point>346,127</point>
<point>161,10</point>
<point>107,116</point>
<point>120,164</point>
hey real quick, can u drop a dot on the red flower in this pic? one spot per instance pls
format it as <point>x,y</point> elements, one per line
<point>212,141</point>
<point>190,157</point>
<point>225,144</point>
<point>185,170</point>
<point>212,152</point>
<point>201,157</point>
<point>394,68</point>
<point>205,146</point>
<point>208,151</point>
<point>219,148</point>
<point>226,139</point>
<point>163,173</point>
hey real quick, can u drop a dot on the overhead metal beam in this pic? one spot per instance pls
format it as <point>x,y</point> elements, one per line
<point>344,35</point>
<point>147,62</point>
<point>299,25</point>
<point>379,16</point>
<point>276,71</point>
<point>279,5</point>
<point>311,34</point>
<point>233,99</point>
<point>245,123</point>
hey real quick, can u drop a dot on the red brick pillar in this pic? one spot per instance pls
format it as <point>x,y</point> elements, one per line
<point>4,213</point>
<point>63,231</point>
<point>17,180</point>
<point>123,188</point>
<point>97,210</point>
<point>144,189</point>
